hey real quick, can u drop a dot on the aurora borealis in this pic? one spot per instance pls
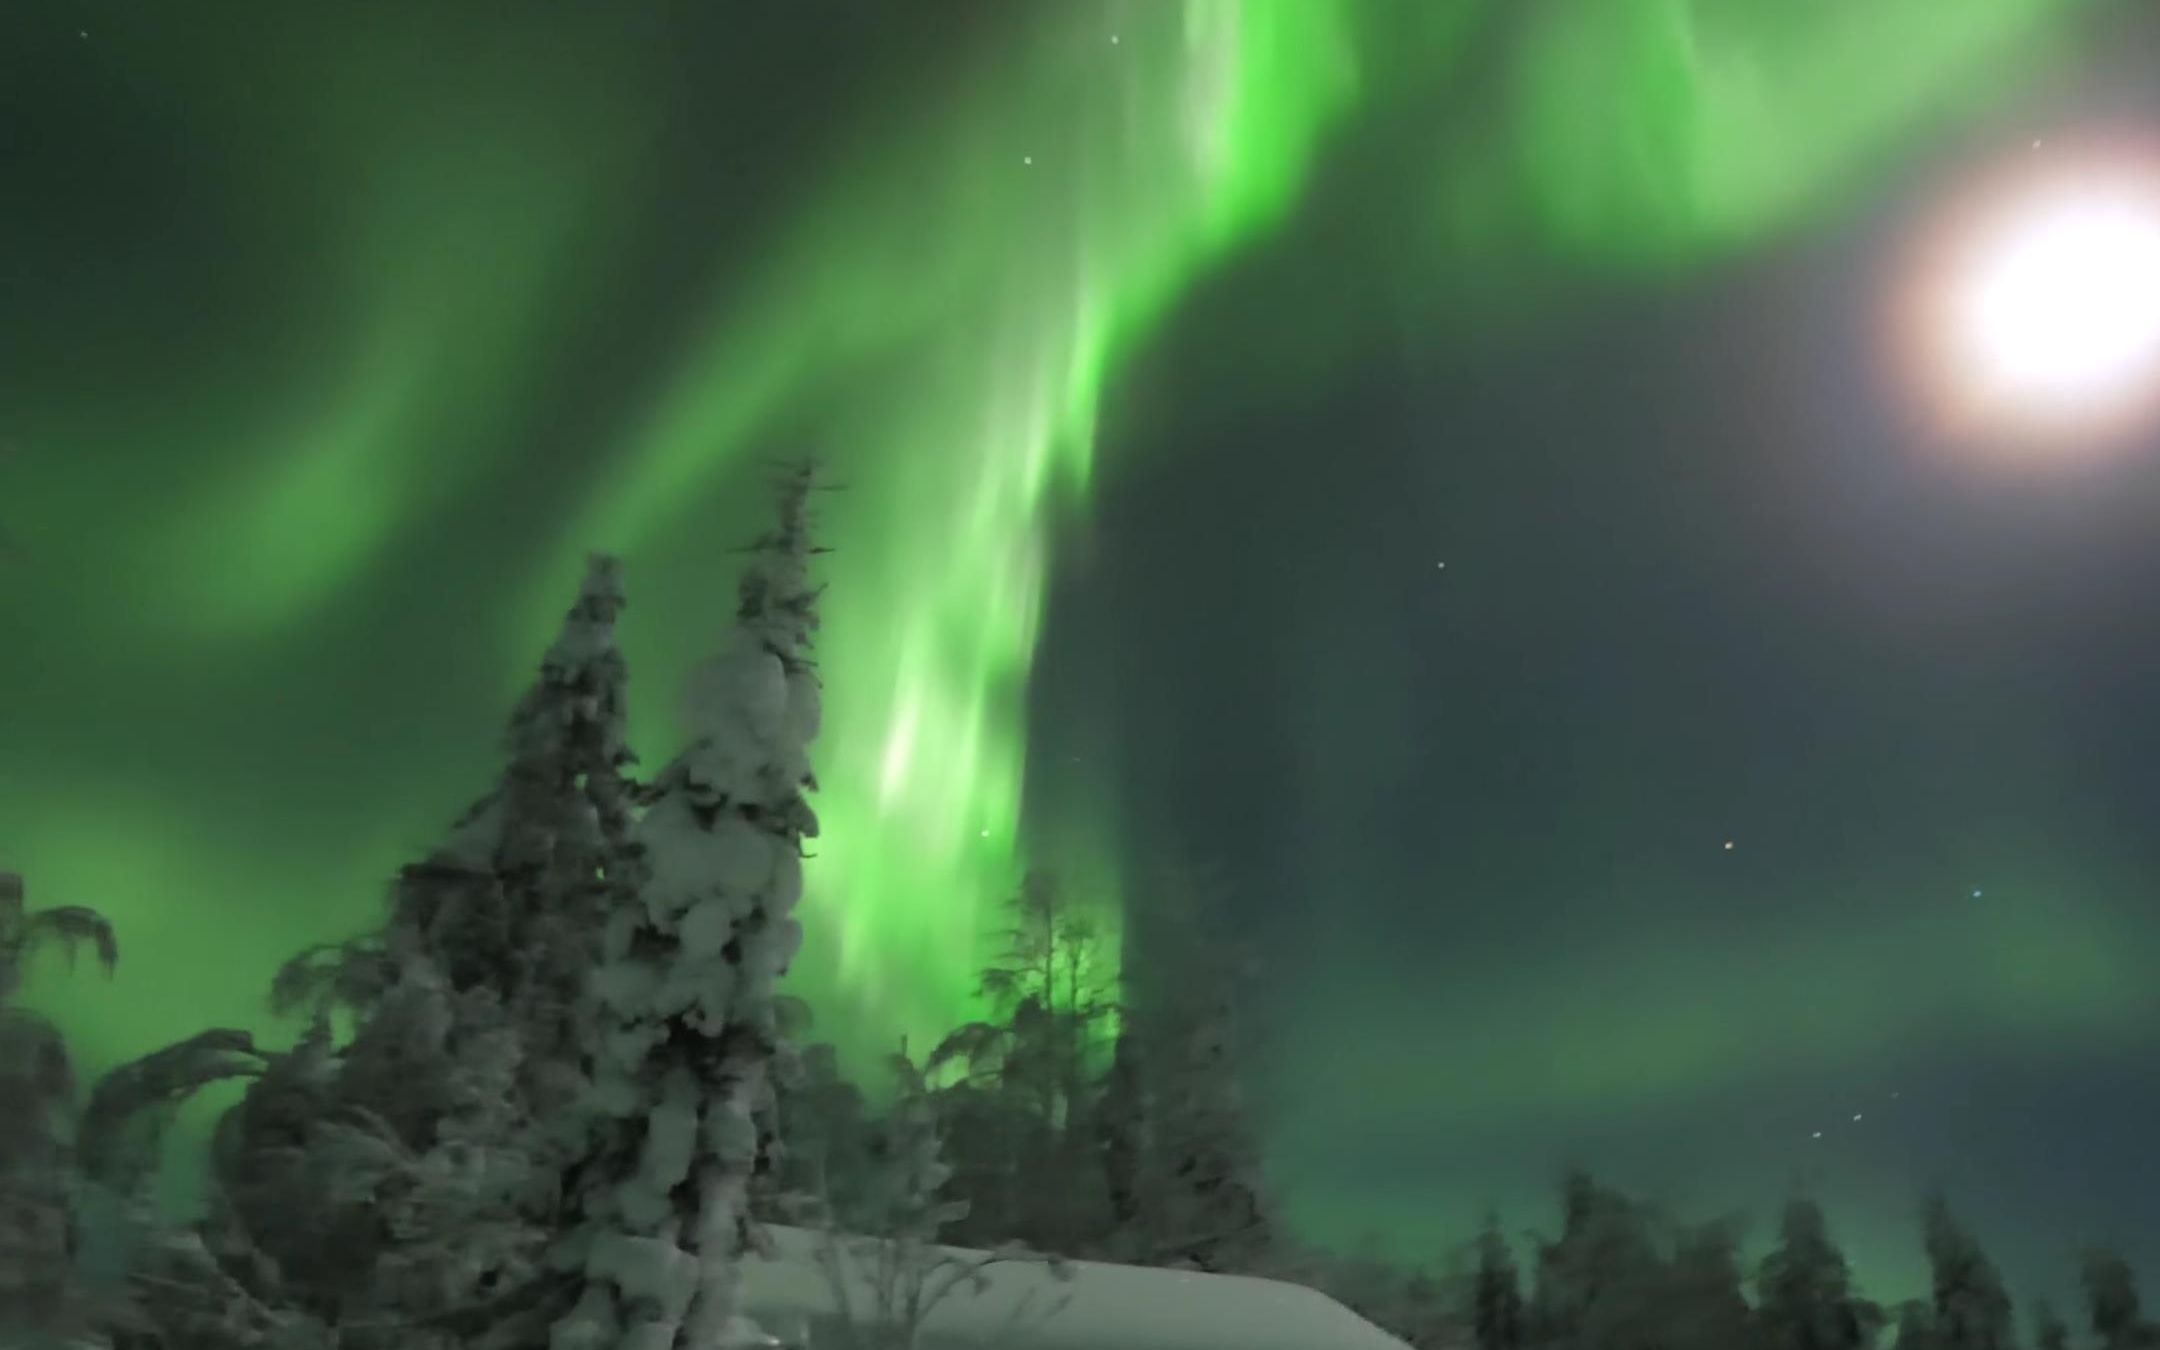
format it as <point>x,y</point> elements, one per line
<point>330,341</point>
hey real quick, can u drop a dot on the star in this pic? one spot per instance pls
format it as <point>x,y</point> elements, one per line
<point>1728,845</point>
<point>1113,39</point>
<point>1817,1134</point>
<point>986,834</point>
<point>1856,1115</point>
<point>1441,566</point>
<point>1027,159</point>
<point>1976,892</point>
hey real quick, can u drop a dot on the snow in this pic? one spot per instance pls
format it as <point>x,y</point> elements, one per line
<point>670,1133</point>
<point>627,1046</point>
<point>691,860</point>
<point>646,1268</point>
<point>707,927</point>
<point>787,882</point>
<point>740,694</point>
<point>731,1134</point>
<point>1101,1307</point>
<point>473,842</point>
<point>787,938</point>
<point>806,708</point>
<point>626,983</point>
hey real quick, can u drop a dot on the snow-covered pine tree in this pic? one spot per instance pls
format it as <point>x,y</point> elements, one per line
<point>1970,1305</point>
<point>684,1027</point>
<point>2111,1303</point>
<point>1804,1294</point>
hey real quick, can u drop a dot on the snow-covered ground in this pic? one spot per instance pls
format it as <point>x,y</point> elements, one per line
<point>1100,1307</point>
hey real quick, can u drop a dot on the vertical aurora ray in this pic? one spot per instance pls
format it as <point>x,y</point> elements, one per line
<point>942,327</point>
<point>943,321</point>
<point>394,221</point>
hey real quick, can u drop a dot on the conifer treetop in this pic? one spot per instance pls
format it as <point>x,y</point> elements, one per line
<point>582,676</point>
<point>775,598</point>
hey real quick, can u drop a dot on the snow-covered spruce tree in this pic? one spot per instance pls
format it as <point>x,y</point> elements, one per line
<point>555,836</point>
<point>404,1184</point>
<point>684,1027</point>
<point>1970,1305</point>
<point>1804,1293</point>
<point>2111,1303</point>
<point>515,900</point>
<point>396,1188</point>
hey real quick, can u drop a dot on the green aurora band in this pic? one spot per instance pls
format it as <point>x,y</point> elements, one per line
<point>943,320</point>
<point>1023,240</point>
<point>1026,238</point>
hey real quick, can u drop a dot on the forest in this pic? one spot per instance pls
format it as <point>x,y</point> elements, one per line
<point>555,1095</point>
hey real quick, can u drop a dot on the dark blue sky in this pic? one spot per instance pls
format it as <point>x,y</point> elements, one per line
<point>1706,579</point>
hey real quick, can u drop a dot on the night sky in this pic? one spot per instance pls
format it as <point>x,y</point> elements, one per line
<point>1439,466</point>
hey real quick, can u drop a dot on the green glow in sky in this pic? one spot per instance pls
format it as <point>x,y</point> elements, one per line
<point>457,250</point>
<point>1023,236</point>
<point>1657,130</point>
<point>431,207</point>
<point>947,312</point>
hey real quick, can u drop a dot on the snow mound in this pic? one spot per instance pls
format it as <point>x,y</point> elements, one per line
<point>1100,1307</point>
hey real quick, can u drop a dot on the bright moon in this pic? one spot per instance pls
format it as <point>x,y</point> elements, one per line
<point>2038,308</point>
<point>2066,303</point>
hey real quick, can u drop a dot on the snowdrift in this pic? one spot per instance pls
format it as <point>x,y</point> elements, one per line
<point>1101,1307</point>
